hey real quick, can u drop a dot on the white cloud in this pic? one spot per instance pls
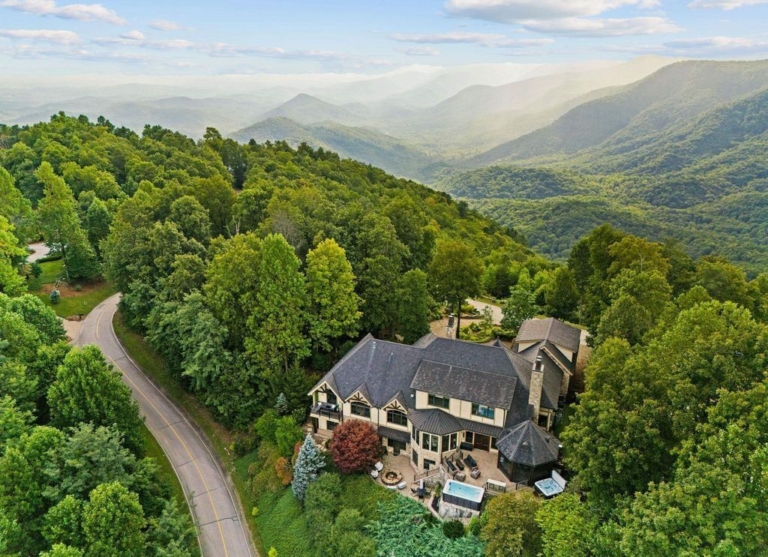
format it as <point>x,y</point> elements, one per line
<point>419,51</point>
<point>165,25</point>
<point>513,11</point>
<point>459,37</point>
<point>50,36</point>
<point>130,39</point>
<point>583,27</point>
<point>80,12</point>
<point>718,44</point>
<point>133,35</point>
<point>725,4</point>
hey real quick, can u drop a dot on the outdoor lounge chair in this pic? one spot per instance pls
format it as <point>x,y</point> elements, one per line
<point>401,485</point>
<point>374,474</point>
<point>379,466</point>
<point>459,464</point>
<point>475,473</point>
<point>451,467</point>
<point>470,462</point>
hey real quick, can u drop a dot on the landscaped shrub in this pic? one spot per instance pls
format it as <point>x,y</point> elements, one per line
<point>453,529</point>
<point>355,446</point>
<point>404,531</point>
<point>36,269</point>
<point>55,297</point>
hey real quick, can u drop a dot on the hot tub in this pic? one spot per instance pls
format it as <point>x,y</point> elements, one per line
<point>463,495</point>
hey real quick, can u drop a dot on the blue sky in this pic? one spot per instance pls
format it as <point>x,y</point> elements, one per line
<point>59,37</point>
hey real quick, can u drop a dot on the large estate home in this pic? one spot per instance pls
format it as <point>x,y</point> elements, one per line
<point>440,395</point>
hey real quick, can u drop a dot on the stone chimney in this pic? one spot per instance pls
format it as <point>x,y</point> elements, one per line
<point>537,382</point>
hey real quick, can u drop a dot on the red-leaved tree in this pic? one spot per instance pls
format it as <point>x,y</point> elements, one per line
<point>355,446</point>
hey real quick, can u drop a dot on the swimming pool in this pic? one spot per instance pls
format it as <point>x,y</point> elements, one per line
<point>463,495</point>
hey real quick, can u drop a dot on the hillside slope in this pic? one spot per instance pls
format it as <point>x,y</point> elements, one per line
<point>629,118</point>
<point>362,144</point>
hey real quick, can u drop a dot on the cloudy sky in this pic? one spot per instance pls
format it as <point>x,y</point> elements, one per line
<point>57,37</point>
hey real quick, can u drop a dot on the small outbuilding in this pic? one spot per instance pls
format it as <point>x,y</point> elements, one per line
<point>527,453</point>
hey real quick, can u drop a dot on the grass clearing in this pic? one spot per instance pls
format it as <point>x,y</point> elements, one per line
<point>72,301</point>
<point>221,439</point>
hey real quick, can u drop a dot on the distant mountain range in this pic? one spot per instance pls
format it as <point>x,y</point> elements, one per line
<point>363,144</point>
<point>682,154</point>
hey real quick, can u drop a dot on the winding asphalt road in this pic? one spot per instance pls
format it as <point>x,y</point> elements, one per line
<point>221,528</point>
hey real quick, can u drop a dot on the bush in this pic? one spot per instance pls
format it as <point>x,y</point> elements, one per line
<point>36,269</point>
<point>55,296</point>
<point>453,529</point>
<point>323,494</point>
<point>355,446</point>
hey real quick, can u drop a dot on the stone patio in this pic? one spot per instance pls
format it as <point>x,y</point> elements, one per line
<point>486,462</point>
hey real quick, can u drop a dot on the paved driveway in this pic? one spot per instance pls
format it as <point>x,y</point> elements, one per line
<point>222,532</point>
<point>496,310</point>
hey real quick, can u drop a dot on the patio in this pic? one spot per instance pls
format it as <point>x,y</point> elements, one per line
<point>486,462</point>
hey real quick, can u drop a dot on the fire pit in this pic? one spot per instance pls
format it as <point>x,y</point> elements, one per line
<point>391,477</point>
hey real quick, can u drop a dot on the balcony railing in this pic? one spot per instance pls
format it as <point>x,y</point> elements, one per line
<point>326,410</point>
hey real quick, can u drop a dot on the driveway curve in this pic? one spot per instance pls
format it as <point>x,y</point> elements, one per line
<point>221,527</point>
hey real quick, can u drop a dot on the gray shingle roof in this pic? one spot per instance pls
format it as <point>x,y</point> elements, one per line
<point>551,329</point>
<point>434,421</point>
<point>528,444</point>
<point>468,355</point>
<point>382,367</point>
<point>444,379</point>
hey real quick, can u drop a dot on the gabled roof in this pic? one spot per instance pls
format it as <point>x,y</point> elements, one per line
<point>551,329</point>
<point>434,421</point>
<point>528,444</point>
<point>379,367</point>
<point>443,379</point>
<point>468,355</point>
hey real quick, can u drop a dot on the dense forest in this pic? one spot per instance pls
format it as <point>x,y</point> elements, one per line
<point>72,462</point>
<point>253,268</point>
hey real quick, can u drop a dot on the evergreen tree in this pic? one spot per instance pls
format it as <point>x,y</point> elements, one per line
<point>308,466</point>
<point>282,404</point>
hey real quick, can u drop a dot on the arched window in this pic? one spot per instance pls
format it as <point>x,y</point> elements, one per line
<point>397,417</point>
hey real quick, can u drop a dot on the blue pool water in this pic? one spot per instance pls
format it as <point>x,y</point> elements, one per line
<point>465,491</point>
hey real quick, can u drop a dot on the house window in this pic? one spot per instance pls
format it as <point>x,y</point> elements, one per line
<point>330,426</point>
<point>361,409</point>
<point>430,442</point>
<point>483,411</point>
<point>449,441</point>
<point>469,437</point>
<point>415,434</point>
<point>331,398</point>
<point>397,417</point>
<point>414,457</point>
<point>493,442</point>
<point>428,464</point>
<point>439,401</point>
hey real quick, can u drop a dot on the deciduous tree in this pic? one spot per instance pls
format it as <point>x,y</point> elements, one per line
<point>355,446</point>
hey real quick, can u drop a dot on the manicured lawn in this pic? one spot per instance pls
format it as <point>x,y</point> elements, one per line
<point>78,303</point>
<point>221,439</point>
<point>51,271</point>
<point>71,302</point>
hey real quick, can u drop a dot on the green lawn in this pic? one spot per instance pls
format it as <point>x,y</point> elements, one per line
<point>221,439</point>
<point>71,301</point>
<point>81,302</point>
<point>51,271</point>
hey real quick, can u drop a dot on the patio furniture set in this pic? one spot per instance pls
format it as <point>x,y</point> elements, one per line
<point>457,463</point>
